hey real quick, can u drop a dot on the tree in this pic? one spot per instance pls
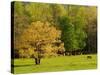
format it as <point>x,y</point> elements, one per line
<point>39,12</point>
<point>68,34</point>
<point>91,29</point>
<point>58,11</point>
<point>42,37</point>
<point>80,33</point>
<point>73,34</point>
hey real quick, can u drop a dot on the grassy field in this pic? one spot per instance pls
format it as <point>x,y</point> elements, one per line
<point>61,63</point>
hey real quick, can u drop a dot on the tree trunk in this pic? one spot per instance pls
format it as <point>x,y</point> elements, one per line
<point>37,61</point>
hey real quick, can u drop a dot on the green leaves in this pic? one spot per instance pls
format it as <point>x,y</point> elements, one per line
<point>73,26</point>
<point>73,34</point>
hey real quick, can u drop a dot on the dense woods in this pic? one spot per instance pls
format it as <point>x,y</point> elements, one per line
<point>45,30</point>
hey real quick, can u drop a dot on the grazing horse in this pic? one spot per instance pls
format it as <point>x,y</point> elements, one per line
<point>89,57</point>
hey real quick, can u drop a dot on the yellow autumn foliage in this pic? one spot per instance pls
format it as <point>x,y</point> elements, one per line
<point>39,36</point>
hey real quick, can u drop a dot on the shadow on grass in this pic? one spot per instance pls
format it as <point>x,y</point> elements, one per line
<point>22,65</point>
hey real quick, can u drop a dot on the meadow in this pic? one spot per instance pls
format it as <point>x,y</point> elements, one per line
<point>60,63</point>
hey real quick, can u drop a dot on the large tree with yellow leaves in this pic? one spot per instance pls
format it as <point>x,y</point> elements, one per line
<point>40,39</point>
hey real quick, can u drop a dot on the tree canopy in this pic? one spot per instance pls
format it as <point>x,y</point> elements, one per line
<point>55,27</point>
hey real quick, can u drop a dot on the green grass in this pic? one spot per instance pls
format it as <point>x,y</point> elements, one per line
<point>61,63</point>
